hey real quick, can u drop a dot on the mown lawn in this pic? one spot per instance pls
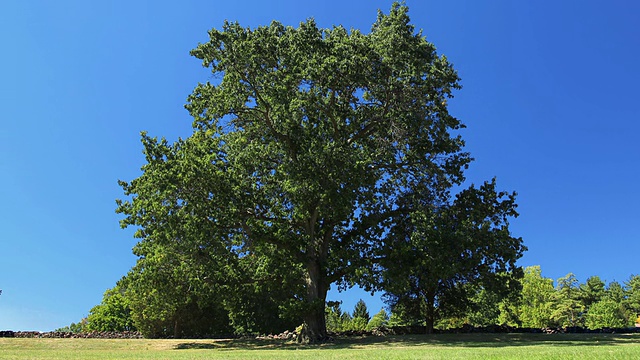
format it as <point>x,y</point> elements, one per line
<point>463,346</point>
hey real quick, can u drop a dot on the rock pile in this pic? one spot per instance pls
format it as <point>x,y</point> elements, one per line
<point>287,335</point>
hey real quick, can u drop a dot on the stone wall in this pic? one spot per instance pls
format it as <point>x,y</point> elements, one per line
<point>287,335</point>
<point>70,335</point>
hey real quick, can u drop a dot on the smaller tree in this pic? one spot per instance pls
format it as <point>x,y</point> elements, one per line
<point>444,248</point>
<point>361,311</point>
<point>333,316</point>
<point>632,297</point>
<point>345,321</point>
<point>359,319</point>
<point>170,297</point>
<point>606,313</point>
<point>538,296</point>
<point>485,307</point>
<point>76,328</point>
<point>378,320</point>
<point>568,309</point>
<point>592,291</point>
<point>615,292</point>
<point>356,324</point>
<point>399,318</point>
<point>112,314</point>
<point>509,308</point>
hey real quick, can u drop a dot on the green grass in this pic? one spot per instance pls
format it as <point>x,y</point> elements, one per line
<point>464,346</point>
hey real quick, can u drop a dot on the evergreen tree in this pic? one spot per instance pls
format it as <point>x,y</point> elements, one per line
<point>592,291</point>
<point>360,310</point>
<point>632,297</point>
<point>567,309</point>
<point>615,292</point>
<point>334,318</point>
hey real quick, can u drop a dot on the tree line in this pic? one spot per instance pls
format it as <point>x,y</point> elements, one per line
<point>592,304</point>
<point>538,303</point>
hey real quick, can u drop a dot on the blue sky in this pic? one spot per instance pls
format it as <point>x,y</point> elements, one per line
<point>550,99</point>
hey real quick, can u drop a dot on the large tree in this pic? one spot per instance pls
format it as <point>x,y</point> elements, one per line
<point>310,136</point>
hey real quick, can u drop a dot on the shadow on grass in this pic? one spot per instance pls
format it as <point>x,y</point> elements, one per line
<point>196,345</point>
<point>437,340</point>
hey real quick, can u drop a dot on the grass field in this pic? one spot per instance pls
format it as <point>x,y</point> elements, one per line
<point>463,346</point>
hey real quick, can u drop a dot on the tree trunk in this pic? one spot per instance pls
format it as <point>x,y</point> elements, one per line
<point>315,327</point>
<point>431,314</point>
<point>177,330</point>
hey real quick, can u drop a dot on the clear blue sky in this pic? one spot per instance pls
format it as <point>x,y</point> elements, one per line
<point>550,98</point>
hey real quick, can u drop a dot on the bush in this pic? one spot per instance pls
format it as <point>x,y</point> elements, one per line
<point>606,314</point>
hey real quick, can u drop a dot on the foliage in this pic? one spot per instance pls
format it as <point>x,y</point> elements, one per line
<point>112,314</point>
<point>632,296</point>
<point>485,308</point>
<point>187,281</point>
<point>358,320</point>
<point>79,327</point>
<point>380,319</point>
<point>509,312</point>
<point>334,317</point>
<point>538,297</point>
<point>568,309</point>
<point>339,321</point>
<point>360,311</point>
<point>444,249</point>
<point>168,299</point>
<point>569,304</point>
<point>356,324</point>
<point>301,148</point>
<point>345,320</point>
<point>615,292</point>
<point>261,299</point>
<point>398,318</point>
<point>606,313</point>
<point>592,291</point>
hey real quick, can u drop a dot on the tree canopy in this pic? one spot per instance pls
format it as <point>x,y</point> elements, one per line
<point>440,251</point>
